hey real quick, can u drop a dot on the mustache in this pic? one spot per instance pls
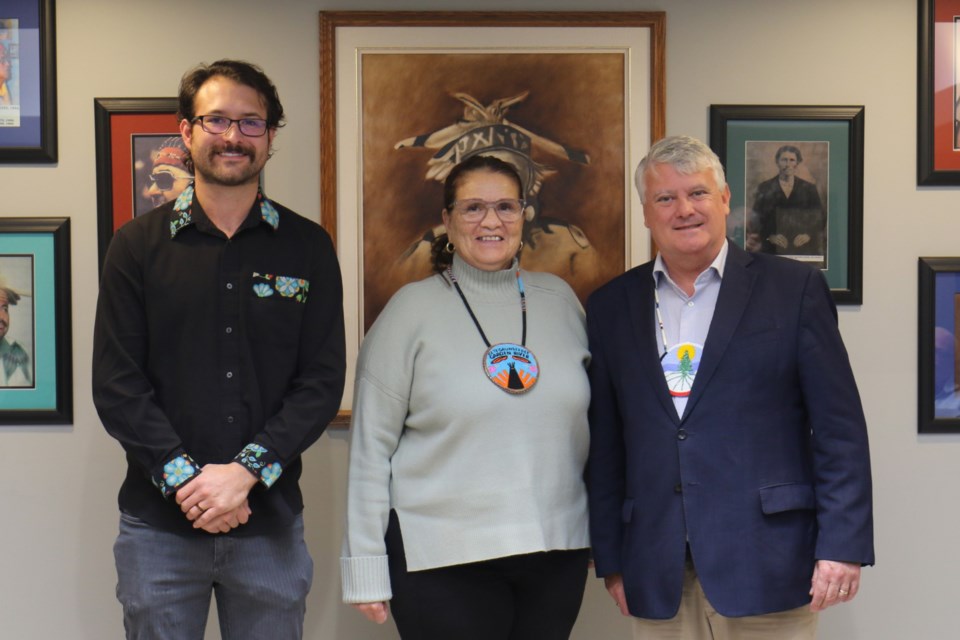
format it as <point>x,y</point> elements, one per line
<point>229,147</point>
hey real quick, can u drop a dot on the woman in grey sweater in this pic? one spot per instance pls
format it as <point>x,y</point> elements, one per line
<point>466,503</point>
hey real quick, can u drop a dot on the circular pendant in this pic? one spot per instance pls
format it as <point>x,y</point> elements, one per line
<point>511,367</point>
<point>680,366</point>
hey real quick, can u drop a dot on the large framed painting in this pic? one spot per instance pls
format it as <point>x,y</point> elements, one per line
<point>938,96</point>
<point>572,100</point>
<point>796,185</point>
<point>141,160</point>
<point>28,82</point>
<point>938,363</point>
<point>36,370</point>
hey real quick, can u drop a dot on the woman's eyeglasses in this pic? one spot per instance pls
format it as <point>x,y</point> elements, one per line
<point>475,209</point>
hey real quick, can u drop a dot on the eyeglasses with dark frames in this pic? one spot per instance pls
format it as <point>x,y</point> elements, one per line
<point>252,127</point>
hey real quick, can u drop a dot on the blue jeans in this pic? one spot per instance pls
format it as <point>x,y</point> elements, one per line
<point>165,581</point>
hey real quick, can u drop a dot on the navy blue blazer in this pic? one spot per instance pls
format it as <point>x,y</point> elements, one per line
<point>767,471</point>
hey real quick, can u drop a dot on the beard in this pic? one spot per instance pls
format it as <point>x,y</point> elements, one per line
<point>205,166</point>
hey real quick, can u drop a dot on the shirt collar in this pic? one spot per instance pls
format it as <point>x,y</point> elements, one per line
<point>183,211</point>
<point>660,268</point>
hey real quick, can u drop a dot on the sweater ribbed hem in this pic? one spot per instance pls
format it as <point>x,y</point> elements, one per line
<point>365,579</point>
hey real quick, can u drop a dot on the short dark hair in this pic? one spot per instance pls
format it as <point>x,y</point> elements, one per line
<point>442,258</point>
<point>240,72</point>
<point>789,148</point>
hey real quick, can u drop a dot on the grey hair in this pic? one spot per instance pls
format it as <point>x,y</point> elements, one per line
<point>685,154</point>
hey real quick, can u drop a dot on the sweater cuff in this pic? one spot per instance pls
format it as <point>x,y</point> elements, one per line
<point>365,579</point>
<point>175,473</point>
<point>261,462</point>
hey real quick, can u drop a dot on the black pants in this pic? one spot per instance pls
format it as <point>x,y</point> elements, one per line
<point>533,596</point>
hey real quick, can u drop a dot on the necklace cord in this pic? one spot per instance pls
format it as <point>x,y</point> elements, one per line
<point>523,307</point>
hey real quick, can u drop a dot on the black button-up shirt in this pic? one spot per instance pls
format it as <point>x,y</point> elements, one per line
<point>210,349</point>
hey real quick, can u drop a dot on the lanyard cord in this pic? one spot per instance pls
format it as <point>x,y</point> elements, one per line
<point>523,307</point>
<point>663,332</point>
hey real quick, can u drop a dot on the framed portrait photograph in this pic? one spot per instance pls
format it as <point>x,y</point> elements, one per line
<point>938,366</point>
<point>571,100</point>
<point>36,370</point>
<point>141,160</point>
<point>938,97</point>
<point>796,185</point>
<point>28,82</point>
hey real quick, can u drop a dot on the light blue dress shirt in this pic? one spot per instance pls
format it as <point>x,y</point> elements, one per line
<point>686,318</point>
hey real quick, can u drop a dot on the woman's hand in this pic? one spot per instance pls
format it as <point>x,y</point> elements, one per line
<point>374,611</point>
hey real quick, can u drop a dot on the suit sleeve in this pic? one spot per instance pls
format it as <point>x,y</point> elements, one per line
<point>606,463</point>
<point>841,456</point>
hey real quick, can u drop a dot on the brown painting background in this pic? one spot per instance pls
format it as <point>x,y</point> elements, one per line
<point>577,100</point>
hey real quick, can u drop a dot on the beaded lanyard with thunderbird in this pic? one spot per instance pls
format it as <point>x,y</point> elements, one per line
<point>512,367</point>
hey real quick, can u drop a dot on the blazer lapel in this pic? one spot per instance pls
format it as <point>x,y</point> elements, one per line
<point>734,294</point>
<point>640,306</point>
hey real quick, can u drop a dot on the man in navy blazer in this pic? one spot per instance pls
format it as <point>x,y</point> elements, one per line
<point>729,473</point>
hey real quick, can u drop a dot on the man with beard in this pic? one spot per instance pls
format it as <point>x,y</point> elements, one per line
<point>218,359</point>
<point>15,369</point>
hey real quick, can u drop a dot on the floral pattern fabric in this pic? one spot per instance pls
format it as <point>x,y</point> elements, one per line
<point>183,208</point>
<point>252,458</point>
<point>266,284</point>
<point>175,473</point>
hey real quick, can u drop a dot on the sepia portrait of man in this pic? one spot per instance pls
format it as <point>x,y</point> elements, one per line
<point>786,194</point>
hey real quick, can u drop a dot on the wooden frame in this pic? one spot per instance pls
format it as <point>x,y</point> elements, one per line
<point>121,174</point>
<point>36,380</point>
<point>348,40</point>
<point>28,97</point>
<point>749,140</point>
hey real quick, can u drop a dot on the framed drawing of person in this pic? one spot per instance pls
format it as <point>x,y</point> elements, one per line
<point>938,93</point>
<point>938,367</point>
<point>787,183</point>
<point>28,82</point>
<point>796,184</point>
<point>141,160</point>
<point>571,100</point>
<point>36,366</point>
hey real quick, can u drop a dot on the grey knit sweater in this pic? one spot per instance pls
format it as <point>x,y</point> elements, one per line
<point>473,472</point>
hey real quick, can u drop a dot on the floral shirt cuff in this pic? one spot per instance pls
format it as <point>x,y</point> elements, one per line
<point>175,473</point>
<point>261,463</point>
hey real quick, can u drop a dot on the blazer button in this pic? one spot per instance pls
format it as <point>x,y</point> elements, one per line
<point>678,488</point>
<point>681,435</point>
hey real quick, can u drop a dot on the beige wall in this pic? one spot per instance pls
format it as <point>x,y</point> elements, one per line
<point>58,485</point>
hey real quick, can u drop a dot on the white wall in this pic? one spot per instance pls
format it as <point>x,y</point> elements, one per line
<point>58,485</point>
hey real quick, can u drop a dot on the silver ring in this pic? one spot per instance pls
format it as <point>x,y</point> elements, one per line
<point>843,592</point>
